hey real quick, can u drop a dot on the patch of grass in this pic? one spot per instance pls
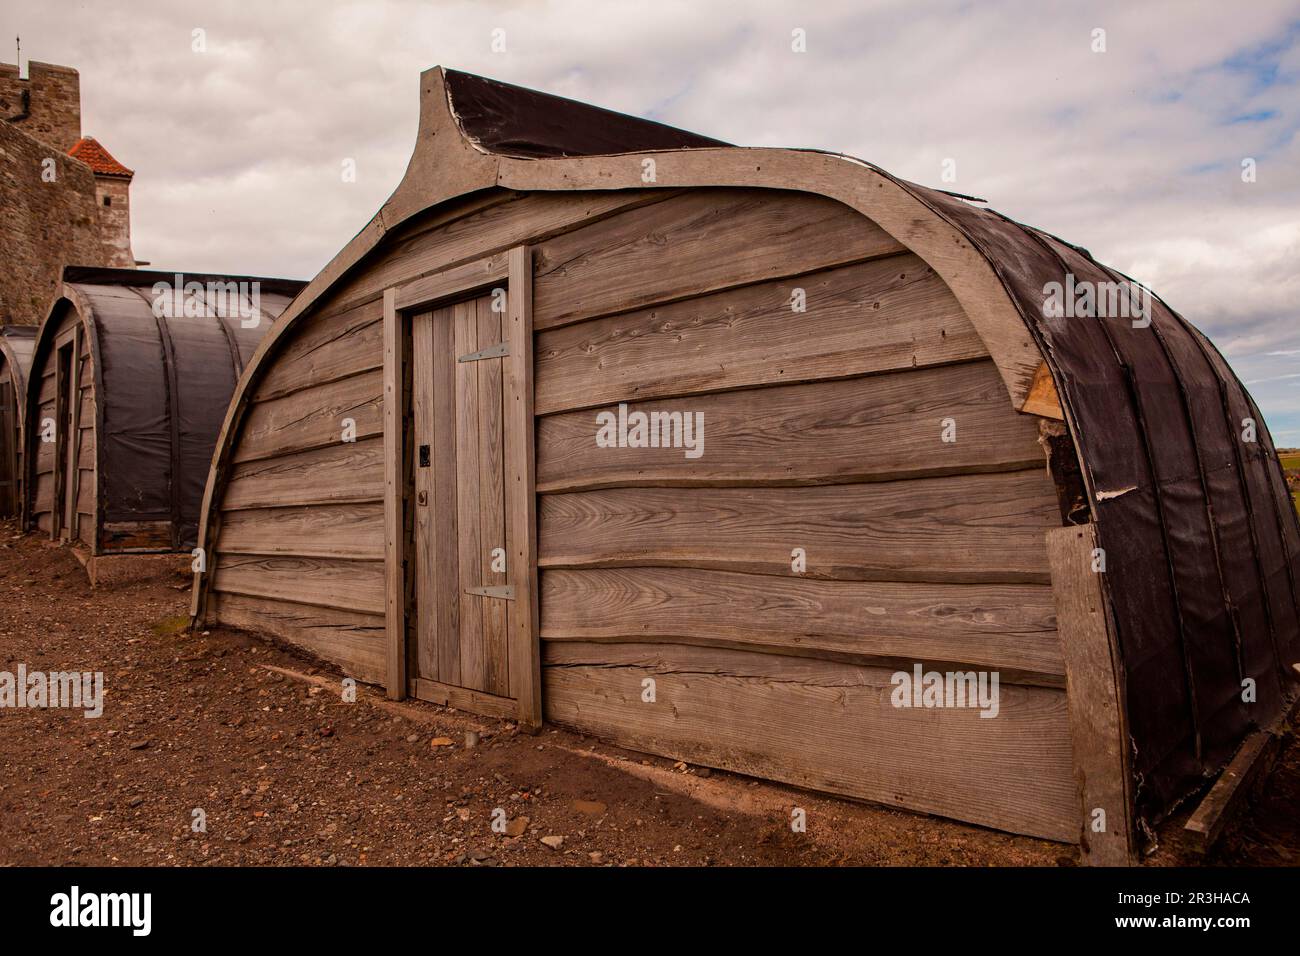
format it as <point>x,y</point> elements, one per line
<point>1290,461</point>
<point>170,626</point>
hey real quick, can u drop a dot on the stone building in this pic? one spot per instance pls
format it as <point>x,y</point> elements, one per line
<point>64,200</point>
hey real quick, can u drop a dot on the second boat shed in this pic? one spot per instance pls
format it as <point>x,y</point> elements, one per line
<point>16,344</point>
<point>129,386</point>
<point>435,474</point>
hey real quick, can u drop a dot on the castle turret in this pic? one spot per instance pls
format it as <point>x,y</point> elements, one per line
<point>112,200</point>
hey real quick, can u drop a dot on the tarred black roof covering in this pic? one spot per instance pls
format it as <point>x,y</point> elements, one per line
<point>514,121</point>
<point>1202,544</point>
<point>1201,541</point>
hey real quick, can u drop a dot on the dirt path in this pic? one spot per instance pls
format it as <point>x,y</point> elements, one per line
<point>286,773</point>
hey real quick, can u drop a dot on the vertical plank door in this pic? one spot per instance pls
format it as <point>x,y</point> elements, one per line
<point>462,578</point>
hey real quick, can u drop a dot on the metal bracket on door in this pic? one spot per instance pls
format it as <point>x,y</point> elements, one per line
<point>492,351</point>
<point>505,591</point>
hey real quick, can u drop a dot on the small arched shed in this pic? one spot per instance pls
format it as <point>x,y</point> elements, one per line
<point>129,385</point>
<point>730,454</point>
<point>16,345</point>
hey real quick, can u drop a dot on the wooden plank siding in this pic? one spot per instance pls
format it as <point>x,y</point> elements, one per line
<point>826,726</point>
<point>823,432</point>
<point>964,528</point>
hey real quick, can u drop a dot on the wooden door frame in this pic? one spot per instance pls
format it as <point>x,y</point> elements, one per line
<point>67,424</point>
<point>514,267</point>
<point>8,440</point>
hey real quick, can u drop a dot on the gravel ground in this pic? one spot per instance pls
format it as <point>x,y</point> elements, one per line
<point>282,771</point>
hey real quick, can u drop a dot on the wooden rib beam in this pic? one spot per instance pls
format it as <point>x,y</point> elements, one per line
<point>1098,725</point>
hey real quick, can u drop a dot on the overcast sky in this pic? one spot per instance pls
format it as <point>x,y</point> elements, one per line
<point>1134,152</point>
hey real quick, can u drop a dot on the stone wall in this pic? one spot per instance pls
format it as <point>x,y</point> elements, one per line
<point>48,219</point>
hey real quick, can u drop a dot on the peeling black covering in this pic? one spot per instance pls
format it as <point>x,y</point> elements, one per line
<point>162,385</point>
<point>513,121</point>
<point>1203,553</point>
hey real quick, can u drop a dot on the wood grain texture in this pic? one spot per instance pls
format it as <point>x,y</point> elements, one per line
<point>875,428</point>
<point>886,314</point>
<point>521,493</point>
<point>826,726</point>
<point>313,418</point>
<point>446,544</point>
<point>1042,398</point>
<point>353,641</point>
<point>319,531</point>
<point>478,232</point>
<point>321,582</point>
<point>393,604</point>
<point>327,349</point>
<point>426,569</point>
<point>1231,793</point>
<point>352,472</point>
<point>491,495</point>
<point>992,626</point>
<point>1097,715</point>
<point>473,664</point>
<point>964,528</point>
<point>464,698</point>
<point>698,242</point>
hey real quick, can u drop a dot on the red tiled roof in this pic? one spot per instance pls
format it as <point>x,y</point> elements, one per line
<point>100,161</point>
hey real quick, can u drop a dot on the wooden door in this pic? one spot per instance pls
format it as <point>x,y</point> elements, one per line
<point>463,591</point>
<point>67,407</point>
<point>462,619</point>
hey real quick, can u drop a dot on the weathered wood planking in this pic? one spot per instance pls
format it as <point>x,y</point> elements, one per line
<point>695,243</point>
<point>827,726</point>
<point>320,531</point>
<point>874,428</point>
<point>322,582</point>
<point>138,535</point>
<point>426,568</point>
<point>327,349</point>
<point>882,315</point>
<point>1008,625</point>
<point>473,664</point>
<point>1097,714</point>
<point>351,640</point>
<point>45,450</point>
<point>351,472</point>
<point>448,599</point>
<point>961,528</point>
<point>313,417</point>
<point>480,232</point>
<point>521,493</point>
<point>395,377</point>
<point>43,493</point>
<point>491,495</point>
<point>86,445</point>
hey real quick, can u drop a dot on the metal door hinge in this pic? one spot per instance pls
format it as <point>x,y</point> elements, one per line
<point>505,591</point>
<point>492,351</point>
